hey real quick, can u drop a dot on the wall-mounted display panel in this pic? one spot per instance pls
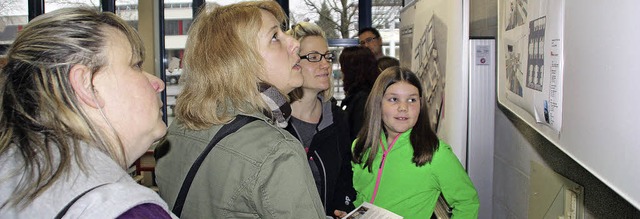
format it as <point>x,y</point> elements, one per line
<point>568,69</point>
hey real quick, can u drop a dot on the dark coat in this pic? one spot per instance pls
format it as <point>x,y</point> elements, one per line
<point>354,105</point>
<point>330,149</point>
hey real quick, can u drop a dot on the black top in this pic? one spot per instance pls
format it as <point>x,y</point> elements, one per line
<point>330,151</point>
<point>354,105</point>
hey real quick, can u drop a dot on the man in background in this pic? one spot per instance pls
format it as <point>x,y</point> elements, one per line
<point>370,37</point>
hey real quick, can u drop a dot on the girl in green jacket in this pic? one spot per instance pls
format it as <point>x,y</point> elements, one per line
<point>399,163</point>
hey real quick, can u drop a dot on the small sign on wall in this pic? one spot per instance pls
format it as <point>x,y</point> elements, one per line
<point>483,57</point>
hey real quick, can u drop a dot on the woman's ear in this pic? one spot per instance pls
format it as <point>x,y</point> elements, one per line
<point>80,77</point>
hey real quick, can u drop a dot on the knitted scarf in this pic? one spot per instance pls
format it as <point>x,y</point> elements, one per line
<point>280,108</point>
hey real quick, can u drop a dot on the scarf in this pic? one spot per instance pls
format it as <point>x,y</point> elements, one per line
<point>280,108</point>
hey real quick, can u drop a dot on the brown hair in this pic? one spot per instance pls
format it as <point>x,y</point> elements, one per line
<point>3,61</point>
<point>386,62</point>
<point>359,68</point>
<point>423,140</point>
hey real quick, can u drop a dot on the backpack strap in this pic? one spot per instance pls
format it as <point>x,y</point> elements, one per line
<point>227,129</point>
<point>66,208</point>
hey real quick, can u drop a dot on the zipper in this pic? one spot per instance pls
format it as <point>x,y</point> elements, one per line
<point>324,176</point>
<point>384,156</point>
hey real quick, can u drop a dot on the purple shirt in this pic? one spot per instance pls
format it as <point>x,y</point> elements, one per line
<point>146,210</point>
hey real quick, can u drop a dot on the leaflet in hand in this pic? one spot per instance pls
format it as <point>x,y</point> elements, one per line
<point>367,210</point>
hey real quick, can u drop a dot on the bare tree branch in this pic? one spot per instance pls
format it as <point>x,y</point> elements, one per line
<point>72,3</point>
<point>9,7</point>
<point>340,15</point>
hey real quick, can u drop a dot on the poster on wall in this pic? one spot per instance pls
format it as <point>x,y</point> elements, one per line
<point>530,67</point>
<point>432,45</point>
<point>406,34</point>
<point>429,56</point>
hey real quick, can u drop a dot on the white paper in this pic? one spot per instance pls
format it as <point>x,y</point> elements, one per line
<point>532,44</point>
<point>367,210</point>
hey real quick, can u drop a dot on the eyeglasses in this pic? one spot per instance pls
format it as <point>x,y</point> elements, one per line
<point>316,57</point>
<point>368,40</point>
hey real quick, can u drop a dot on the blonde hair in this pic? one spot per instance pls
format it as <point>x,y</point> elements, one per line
<point>223,64</point>
<point>40,112</point>
<point>299,32</point>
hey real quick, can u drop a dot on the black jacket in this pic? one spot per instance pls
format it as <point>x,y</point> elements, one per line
<point>331,151</point>
<point>354,105</point>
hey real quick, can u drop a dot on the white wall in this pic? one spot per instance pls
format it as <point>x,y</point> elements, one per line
<point>517,144</point>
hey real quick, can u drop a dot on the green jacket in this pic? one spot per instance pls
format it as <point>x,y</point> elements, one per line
<point>412,192</point>
<point>260,171</point>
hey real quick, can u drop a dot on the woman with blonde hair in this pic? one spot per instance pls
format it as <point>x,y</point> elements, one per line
<point>238,65</point>
<point>319,123</point>
<point>77,111</point>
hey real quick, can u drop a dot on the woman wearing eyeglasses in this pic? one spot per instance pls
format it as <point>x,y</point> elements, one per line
<point>320,124</point>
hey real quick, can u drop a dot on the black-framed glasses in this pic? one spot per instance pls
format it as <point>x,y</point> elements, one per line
<point>316,57</point>
<point>367,40</point>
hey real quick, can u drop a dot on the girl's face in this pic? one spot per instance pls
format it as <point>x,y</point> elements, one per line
<point>315,74</point>
<point>400,108</point>
<point>280,54</point>
<point>130,95</point>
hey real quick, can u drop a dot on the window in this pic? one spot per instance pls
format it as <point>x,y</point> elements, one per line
<point>12,20</point>
<point>128,10</point>
<point>52,5</point>
<point>328,14</point>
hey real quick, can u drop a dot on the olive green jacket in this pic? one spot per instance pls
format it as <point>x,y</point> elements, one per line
<point>260,171</point>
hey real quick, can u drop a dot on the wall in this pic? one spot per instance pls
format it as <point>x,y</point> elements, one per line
<point>517,144</point>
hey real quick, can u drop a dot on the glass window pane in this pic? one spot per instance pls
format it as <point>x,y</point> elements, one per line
<point>386,18</point>
<point>336,20</point>
<point>128,10</point>
<point>214,3</point>
<point>13,17</point>
<point>52,5</point>
<point>178,16</point>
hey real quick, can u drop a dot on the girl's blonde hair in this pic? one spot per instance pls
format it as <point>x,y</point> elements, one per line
<point>299,32</point>
<point>223,64</point>
<point>41,116</point>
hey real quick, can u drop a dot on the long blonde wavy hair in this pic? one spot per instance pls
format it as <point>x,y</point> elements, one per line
<point>223,65</point>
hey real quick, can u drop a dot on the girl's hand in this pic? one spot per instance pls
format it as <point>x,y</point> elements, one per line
<point>339,213</point>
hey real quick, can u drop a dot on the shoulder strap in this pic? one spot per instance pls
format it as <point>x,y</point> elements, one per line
<point>224,131</point>
<point>66,208</point>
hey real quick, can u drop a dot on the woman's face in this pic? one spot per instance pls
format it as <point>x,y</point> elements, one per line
<point>400,108</point>
<point>131,104</point>
<point>315,74</point>
<point>280,54</point>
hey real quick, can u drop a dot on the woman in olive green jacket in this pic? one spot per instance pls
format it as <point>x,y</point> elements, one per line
<point>238,61</point>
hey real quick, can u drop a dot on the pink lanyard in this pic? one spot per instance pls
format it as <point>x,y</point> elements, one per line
<point>384,155</point>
